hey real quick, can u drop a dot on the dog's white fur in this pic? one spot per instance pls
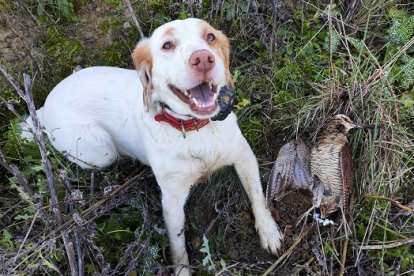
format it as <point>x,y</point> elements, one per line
<point>101,113</point>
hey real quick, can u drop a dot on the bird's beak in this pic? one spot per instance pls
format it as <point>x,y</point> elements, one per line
<point>366,126</point>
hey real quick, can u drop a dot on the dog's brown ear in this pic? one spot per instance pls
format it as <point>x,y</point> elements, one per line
<point>224,44</point>
<point>142,58</point>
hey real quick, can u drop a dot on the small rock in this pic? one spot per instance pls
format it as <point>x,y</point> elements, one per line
<point>127,25</point>
<point>234,254</point>
<point>78,59</point>
<point>77,68</point>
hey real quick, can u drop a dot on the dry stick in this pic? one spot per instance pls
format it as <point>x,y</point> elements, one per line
<point>226,270</point>
<point>92,188</point>
<point>380,73</point>
<point>404,207</point>
<point>330,37</point>
<point>64,180</point>
<point>275,6</point>
<point>190,5</point>
<point>12,83</point>
<point>287,253</point>
<point>343,256</point>
<point>27,97</point>
<point>27,235</point>
<point>301,267</point>
<point>129,251</point>
<point>79,251</point>
<point>134,17</point>
<point>387,245</point>
<point>47,166</point>
<point>69,223</point>
<point>14,170</point>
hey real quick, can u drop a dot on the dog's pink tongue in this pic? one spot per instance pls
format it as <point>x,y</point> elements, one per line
<point>202,94</point>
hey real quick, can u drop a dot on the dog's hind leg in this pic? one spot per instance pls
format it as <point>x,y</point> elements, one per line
<point>88,145</point>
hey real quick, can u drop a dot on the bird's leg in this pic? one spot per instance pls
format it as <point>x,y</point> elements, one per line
<point>317,190</point>
<point>305,215</point>
<point>344,224</point>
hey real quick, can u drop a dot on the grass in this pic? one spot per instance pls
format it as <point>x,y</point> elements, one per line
<point>294,65</point>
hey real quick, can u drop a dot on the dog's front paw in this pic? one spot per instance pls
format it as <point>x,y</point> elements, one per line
<point>270,235</point>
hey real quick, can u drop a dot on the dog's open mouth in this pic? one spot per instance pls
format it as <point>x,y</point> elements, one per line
<point>201,98</point>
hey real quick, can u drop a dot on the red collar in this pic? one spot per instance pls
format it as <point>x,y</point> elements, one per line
<point>182,125</point>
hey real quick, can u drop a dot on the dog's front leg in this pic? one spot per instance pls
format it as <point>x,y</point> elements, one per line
<point>248,171</point>
<point>174,196</point>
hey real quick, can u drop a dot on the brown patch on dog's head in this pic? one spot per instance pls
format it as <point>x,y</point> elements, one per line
<point>221,44</point>
<point>169,31</point>
<point>142,58</point>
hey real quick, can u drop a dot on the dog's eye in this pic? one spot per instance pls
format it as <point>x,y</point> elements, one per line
<point>211,37</point>
<point>168,45</point>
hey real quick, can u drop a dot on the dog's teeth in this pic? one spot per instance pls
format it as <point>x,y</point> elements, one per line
<point>195,101</point>
<point>186,93</point>
<point>214,97</point>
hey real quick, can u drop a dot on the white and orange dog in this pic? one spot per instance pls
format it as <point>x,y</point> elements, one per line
<point>160,114</point>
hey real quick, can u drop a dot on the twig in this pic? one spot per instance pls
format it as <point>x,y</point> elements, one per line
<point>388,245</point>
<point>47,166</point>
<point>92,188</point>
<point>27,235</point>
<point>287,253</point>
<point>79,251</point>
<point>134,17</point>
<point>226,270</point>
<point>14,170</point>
<point>404,207</point>
<point>330,36</point>
<point>380,73</point>
<point>26,95</point>
<point>69,223</point>
<point>275,6</point>
<point>301,267</point>
<point>343,256</point>
<point>12,83</point>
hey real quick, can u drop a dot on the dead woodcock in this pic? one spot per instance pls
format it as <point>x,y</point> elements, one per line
<point>326,169</point>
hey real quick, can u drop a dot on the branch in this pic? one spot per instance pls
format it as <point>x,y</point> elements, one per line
<point>12,83</point>
<point>387,245</point>
<point>14,170</point>
<point>134,17</point>
<point>287,253</point>
<point>86,213</point>
<point>26,95</point>
<point>47,166</point>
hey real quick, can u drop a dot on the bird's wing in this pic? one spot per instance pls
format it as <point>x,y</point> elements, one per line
<point>301,167</point>
<point>318,190</point>
<point>345,159</point>
<point>281,175</point>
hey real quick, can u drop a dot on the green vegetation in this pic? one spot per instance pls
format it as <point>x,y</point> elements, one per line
<point>294,65</point>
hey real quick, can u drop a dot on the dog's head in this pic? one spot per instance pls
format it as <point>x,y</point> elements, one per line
<point>184,64</point>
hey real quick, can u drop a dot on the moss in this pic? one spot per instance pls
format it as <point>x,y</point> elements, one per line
<point>104,27</point>
<point>63,49</point>
<point>402,28</point>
